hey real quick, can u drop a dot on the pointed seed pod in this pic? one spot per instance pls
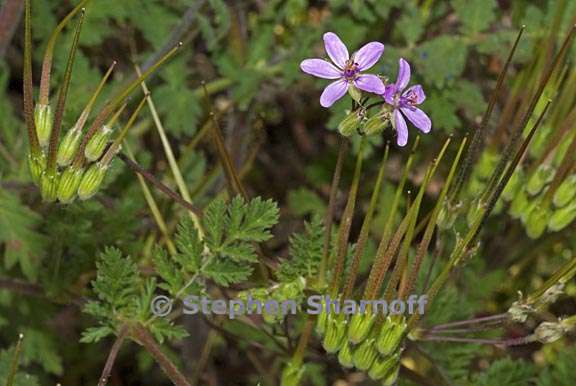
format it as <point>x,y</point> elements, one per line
<point>335,333</point>
<point>566,192</point>
<point>97,144</point>
<point>91,180</point>
<point>69,183</point>
<point>360,326</point>
<point>68,147</point>
<point>542,177</point>
<point>49,186</point>
<point>562,217</point>
<point>384,367</point>
<point>345,356</point>
<point>44,120</point>
<point>292,374</point>
<point>391,334</point>
<point>365,354</point>
<point>352,122</point>
<point>37,166</point>
<point>391,378</point>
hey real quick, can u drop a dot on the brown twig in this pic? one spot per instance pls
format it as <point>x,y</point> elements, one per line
<point>10,15</point>
<point>112,356</point>
<point>147,340</point>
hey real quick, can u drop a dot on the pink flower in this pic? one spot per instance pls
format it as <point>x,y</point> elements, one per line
<point>404,103</point>
<point>346,69</point>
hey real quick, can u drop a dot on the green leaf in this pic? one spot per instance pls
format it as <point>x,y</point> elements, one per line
<point>506,372</point>
<point>305,251</point>
<point>442,59</point>
<point>225,273</point>
<point>475,15</point>
<point>22,244</point>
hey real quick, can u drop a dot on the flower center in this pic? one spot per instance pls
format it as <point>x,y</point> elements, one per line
<point>410,98</point>
<point>350,70</point>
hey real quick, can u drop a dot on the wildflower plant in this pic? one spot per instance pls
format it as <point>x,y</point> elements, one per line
<point>384,216</point>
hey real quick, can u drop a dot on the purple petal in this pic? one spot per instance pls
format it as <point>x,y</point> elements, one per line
<point>320,68</point>
<point>403,75</point>
<point>368,55</point>
<point>401,128</point>
<point>418,118</point>
<point>370,83</point>
<point>335,49</point>
<point>389,94</point>
<point>416,93</point>
<point>333,92</point>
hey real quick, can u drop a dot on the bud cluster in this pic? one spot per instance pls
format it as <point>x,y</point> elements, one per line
<point>365,341</point>
<point>358,121</point>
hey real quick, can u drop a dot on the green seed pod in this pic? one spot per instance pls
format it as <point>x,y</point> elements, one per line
<point>292,374</point>
<point>514,185</point>
<point>391,335</point>
<point>68,147</point>
<point>447,215</point>
<point>542,177</point>
<point>44,121</point>
<point>49,186</point>
<point>68,185</point>
<point>321,321</point>
<point>376,124</point>
<point>37,166</point>
<point>562,217</point>
<point>351,123</point>
<point>519,204</point>
<point>537,221</point>
<point>345,356</point>
<point>365,354</point>
<point>392,377</point>
<point>565,192</point>
<point>92,180</point>
<point>486,165</point>
<point>97,144</point>
<point>360,326</point>
<point>335,332</point>
<point>382,367</point>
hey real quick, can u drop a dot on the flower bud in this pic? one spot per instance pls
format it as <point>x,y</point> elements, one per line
<point>360,326</point>
<point>537,221</point>
<point>49,186</point>
<point>351,123</point>
<point>321,321</point>
<point>97,144</point>
<point>548,332</point>
<point>514,185</point>
<point>391,335</point>
<point>365,354</point>
<point>68,147</point>
<point>292,374</point>
<point>44,121</point>
<point>68,185</point>
<point>335,333</point>
<point>392,377</point>
<point>383,367</point>
<point>345,356</point>
<point>376,124</point>
<point>92,180</point>
<point>566,192</point>
<point>562,217</point>
<point>539,179</point>
<point>37,166</point>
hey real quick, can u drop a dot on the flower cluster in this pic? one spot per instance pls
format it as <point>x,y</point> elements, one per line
<point>347,71</point>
